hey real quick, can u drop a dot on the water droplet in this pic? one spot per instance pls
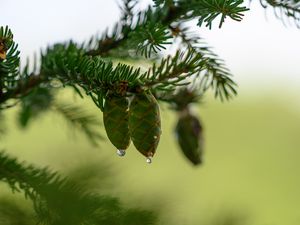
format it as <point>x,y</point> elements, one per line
<point>149,160</point>
<point>121,152</point>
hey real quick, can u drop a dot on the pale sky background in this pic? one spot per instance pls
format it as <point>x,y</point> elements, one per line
<point>261,52</point>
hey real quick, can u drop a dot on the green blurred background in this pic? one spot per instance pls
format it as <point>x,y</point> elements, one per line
<point>251,168</point>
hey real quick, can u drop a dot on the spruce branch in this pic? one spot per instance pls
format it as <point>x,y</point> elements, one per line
<point>23,87</point>
<point>148,31</point>
<point>165,13</point>
<point>173,70</point>
<point>42,99</point>
<point>14,83</point>
<point>14,213</point>
<point>96,76</point>
<point>284,9</point>
<point>38,100</point>
<point>93,74</point>
<point>216,76</point>
<point>25,178</point>
<point>9,61</point>
<point>87,70</point>
<point>209,10</point>
<point>78,118</point>
<point>129,33</point>
<point>58,201</point>
<point>149,39</point>
<point>215,73</point>
<point>157,3</point>
<point>127,9</point>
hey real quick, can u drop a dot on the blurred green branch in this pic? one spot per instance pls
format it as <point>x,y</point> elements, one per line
<point>284,9</point>
<point>58,201</point>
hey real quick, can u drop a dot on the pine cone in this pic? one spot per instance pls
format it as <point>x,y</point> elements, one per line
<point>115,118</point>
<point>144,123</point>
<point>190,137</point>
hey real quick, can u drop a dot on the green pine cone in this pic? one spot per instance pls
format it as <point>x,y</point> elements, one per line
<point>190,137</point>
<point>144,123</point>
<point>115,118</point>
